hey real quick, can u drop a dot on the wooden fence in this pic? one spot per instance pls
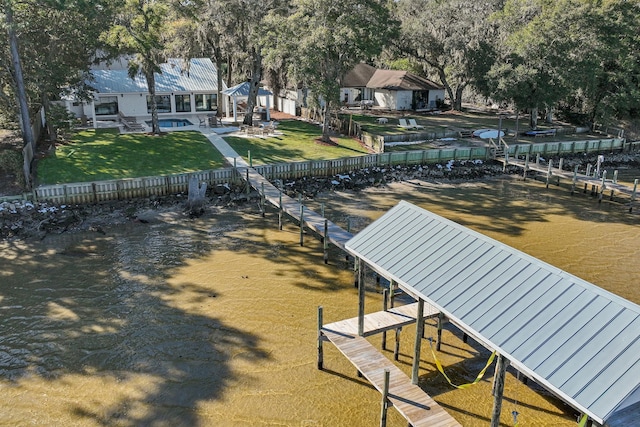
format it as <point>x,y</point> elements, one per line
<point>95,192</point>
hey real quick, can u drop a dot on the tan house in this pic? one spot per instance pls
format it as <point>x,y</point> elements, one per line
<point>367,86</point>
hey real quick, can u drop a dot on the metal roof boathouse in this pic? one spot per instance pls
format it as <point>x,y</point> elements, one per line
<point>579,341</point>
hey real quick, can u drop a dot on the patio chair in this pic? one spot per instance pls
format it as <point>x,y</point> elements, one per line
<point>413,124</point>
<point>403,124</point>
<point>203,122</point>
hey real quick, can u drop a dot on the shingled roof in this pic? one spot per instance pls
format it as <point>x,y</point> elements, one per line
<point>364,75</point>
<point>359,76</point>
<point>400,80</point>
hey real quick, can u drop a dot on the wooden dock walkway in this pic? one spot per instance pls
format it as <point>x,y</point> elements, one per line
<point>599,185</point>
<point>335,234</point>
<point>416,406</point>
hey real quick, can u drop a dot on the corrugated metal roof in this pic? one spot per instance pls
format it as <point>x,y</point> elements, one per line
<point>578,340</point>
<point>200,76</point>
<point>242,90</point>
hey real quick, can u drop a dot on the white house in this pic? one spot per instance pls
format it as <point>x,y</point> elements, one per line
<point>182,89</point>
<point>365,85</point>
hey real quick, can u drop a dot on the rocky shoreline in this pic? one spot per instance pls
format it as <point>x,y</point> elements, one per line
<point>26,221</point>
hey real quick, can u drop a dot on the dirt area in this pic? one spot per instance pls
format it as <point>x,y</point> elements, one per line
<point>9,181</point>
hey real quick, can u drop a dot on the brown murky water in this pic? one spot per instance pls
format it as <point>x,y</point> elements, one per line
<point>212,322</point>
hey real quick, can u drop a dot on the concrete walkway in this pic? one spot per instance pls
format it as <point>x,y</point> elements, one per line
<point>224,148</point>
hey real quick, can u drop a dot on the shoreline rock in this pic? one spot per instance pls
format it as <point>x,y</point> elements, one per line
<point>24,220</point>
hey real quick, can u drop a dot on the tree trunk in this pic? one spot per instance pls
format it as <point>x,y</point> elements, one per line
<point>326,135</point>
<point>53,136</point>
<point>151,82</point>
<point>220,103</point>
<point>549,115</point>
<point>533,120</point>
<point>457,103</point>
<point>229,71</point>
<point>256,75</point>
<point>447,87</point>
<point>25,120</point>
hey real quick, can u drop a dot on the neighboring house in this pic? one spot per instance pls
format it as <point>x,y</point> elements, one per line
<point>389,89</point>
<point>180,91</point>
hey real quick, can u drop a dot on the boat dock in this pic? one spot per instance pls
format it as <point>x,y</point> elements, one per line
<point>599,185</point>
<point>416,406</point>
<point>294,208</point>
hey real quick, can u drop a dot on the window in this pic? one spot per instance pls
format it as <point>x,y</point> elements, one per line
<point>206,102</point>
<point>163,102</point>
<point>183,103</point>
<point>106,106</point>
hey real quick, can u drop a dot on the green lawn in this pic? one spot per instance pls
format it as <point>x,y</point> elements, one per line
<point>104,154</point>
<point>296,143</point>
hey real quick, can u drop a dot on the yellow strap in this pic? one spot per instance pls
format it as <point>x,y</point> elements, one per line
<point>463,386</point>
<point>583,420</point>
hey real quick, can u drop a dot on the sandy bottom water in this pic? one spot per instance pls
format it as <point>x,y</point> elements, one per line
<point>212,321</point>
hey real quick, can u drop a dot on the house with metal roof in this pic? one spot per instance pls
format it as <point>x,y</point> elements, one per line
<point>577,340</point>
<point>182,88</point>
<point>365,85</point>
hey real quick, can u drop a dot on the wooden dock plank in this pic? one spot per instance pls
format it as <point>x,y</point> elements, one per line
<point>568,175</point>
<point>411,401</point>
<point>336,235</point>
<point>381,321</point>
<point>417,407</point>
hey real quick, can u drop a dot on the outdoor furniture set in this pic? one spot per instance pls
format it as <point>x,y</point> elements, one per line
<point>409,124</point>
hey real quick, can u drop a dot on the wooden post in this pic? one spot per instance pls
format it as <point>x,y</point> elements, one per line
<point>396,349</point>
<point>385,399</point>
<point>248,185</point>
<point>575,179</point>
<point>602,186</point>
<point>560,164</point>
<point>615,176</point>
<point>322,209</point>
<point>526,167</point>
<point>385,307</point>
<point>392,292</point>
<point>588,172</point>
<point>250,159</point>
<point>418,344</point>
<point>439,338</point>
<point>262,207</point>
<point>360,297</point>
<point>549,172</point>
<point>301,225</point>
<point>537,159</point>
<point>280,208</point>
<point>320,339</point>
<point>498,389</point>
<point>633,195</point>
<point>325,241</point>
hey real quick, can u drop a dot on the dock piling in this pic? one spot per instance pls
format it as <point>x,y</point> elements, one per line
<point>439,339</point>
<point>262,200</point>
<point>385,400</point>
<point>418,343</point>
<point>325,241</point>
<point>301,225</point>
<point>385,307</point>
<point>320,349</point>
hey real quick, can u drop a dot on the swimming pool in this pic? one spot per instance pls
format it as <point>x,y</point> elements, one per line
<point>172,123</point>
